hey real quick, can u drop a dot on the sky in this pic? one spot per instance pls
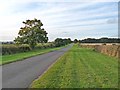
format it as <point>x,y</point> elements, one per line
<point>61,19</point>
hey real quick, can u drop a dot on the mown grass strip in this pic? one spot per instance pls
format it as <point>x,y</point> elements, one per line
<point>20,56</point>
<point>81,68</point>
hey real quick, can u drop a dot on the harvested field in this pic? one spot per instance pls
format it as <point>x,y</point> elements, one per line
<point>108,49</point>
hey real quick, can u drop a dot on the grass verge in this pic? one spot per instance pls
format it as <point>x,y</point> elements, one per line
<point>20,56</point>
<point>80,68</point>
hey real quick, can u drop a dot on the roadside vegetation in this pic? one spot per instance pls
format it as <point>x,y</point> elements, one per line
<point>12,52</point>
<point>20,56</point>
<point>32,40</point>
<point>80,68</point>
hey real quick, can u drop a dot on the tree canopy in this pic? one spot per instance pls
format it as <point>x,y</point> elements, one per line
<point>32,33</point>
<point>75,41</point>
<point>61,42</point>
<point>101,40</point>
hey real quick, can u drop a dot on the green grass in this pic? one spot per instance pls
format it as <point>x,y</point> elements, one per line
<point>80,68</point>
<point>20,56</point>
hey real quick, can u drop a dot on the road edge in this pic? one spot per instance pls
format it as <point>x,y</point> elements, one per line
<point>47,70</point>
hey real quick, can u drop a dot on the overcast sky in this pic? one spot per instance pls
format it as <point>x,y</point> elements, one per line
<point>63,19</point>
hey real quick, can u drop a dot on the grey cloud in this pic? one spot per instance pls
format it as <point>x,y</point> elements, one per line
<point>112,21</point>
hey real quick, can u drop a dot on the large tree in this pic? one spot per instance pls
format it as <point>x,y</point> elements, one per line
<point>32,33</point>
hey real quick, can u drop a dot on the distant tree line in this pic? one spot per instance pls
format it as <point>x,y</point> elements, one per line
<point>32,34</point>
<point>7,42</point>
<point>101,40</point>
<point>61,42</point>
<point>75,41</point>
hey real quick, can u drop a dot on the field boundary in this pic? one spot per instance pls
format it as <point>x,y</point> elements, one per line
<point>47,69</point>
<point>84,73</point>
<point>110,50</point>
<point>30,56</point>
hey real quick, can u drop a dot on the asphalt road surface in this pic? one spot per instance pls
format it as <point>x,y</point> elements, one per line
<point>21,74</point>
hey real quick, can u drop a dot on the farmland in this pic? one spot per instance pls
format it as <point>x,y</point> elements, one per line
<point>110,49</point>
<point>81,68</point>
<point>60,44</point>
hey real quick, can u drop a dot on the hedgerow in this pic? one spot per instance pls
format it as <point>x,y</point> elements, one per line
<point>12,49</point>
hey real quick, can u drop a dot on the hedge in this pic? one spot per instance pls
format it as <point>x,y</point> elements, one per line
<point>12,49</point>
<point>8,49</point>
<point>45,45</point>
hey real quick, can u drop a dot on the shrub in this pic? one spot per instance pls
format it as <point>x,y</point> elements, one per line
<point>12,48</point>
<point>24,48</point>
<point>45,45</point>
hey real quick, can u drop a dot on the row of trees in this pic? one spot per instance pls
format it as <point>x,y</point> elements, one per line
<point>32,34</point>
<point>61,42</point>
<point>101,40</point>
